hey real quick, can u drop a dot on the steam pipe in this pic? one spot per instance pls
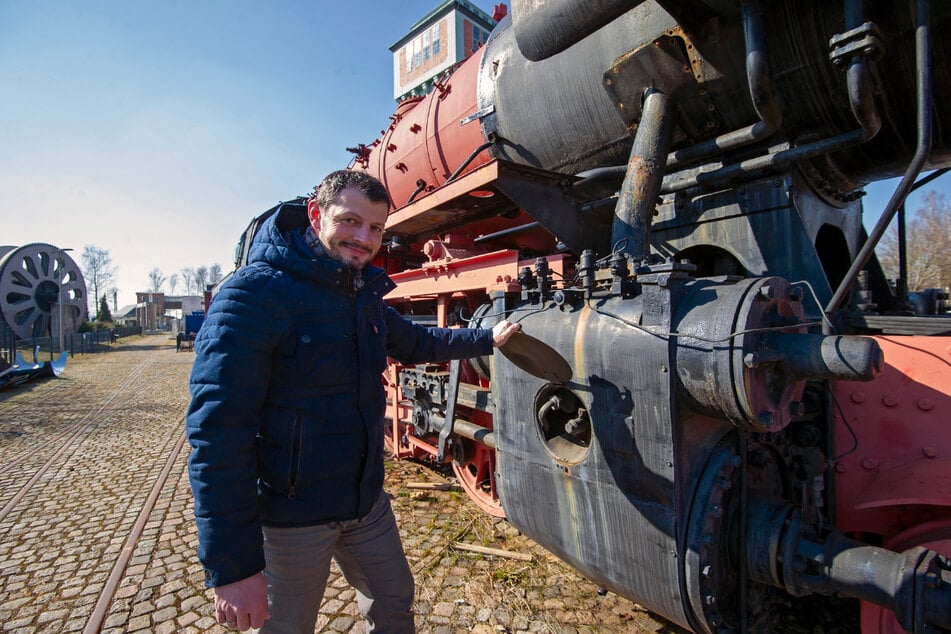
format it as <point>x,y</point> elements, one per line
<point>598,174</point>
<point>421,184</point>
<point>861,102</point>
<point>506,232</point>
<point>767,105</point>
<point>923,64</point>
<point>902,284</point>
<point>492,140</point>
<point>858,77</point>
<point>764,99</point>
<point>546,27</point>
<point>645,172</point>
<point>761,164</point>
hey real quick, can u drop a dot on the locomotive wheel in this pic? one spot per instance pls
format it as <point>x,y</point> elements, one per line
<point>33,278</point>
<point>477,478</point>
<point>933,535</point>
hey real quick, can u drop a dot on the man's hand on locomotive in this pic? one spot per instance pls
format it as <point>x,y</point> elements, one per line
<point>502,331</point>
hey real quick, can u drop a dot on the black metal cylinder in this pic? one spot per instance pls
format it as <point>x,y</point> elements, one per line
<point>546,27</point>
<point>556,114</point>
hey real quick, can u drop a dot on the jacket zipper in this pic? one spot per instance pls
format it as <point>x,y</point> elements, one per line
<point>295,458</point>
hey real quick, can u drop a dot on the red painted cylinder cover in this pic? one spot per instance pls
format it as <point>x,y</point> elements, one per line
<point>426,140</point>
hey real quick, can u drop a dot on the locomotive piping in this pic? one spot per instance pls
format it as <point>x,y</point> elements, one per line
<point>546,27</point>
<point>489,237</point>
<point>858,78</point>
<point>902,250</point>
<point>923,64</point>
<point>420,186</point>
<point>645,172</point>
<point>861,102</point>
<point>769,162</point>
<point>764,99</point>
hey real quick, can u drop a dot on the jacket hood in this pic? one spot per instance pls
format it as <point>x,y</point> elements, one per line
<point>280,243</point>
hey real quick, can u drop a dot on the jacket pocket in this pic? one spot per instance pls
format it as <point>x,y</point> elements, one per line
<point>297,442</point>
<point>279,447</point>
<point>378,334</point>
<point>323,354</point>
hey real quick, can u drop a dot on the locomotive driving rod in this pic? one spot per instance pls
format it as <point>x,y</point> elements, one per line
<point>786,553</point>
<point>465,429</point>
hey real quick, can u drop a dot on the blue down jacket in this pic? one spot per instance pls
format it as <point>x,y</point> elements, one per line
<point>286,417</point>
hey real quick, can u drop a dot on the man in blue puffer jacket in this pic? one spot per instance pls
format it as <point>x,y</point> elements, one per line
<point>286,418</point>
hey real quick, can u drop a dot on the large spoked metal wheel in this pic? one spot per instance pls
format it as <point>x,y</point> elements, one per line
<point>476,476</point>
<point>39,286</point>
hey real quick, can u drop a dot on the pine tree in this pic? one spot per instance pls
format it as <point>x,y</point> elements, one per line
<point>103,315</point>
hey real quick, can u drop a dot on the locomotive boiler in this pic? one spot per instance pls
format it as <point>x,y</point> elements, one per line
<point>718,401</point>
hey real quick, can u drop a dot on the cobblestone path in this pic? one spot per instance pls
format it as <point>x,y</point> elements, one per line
<point>97,532</point>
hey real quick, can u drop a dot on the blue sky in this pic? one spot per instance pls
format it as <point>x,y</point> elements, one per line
<point>157,130</point>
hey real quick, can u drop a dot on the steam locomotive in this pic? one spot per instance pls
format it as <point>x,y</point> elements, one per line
<point>718,401</point>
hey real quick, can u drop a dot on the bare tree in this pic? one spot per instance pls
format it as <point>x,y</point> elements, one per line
<point>214,273</point>
<point>156,279</point>
<point>172,283</point>
<point>927,245</point>
<point>201,277</point>
<point>188,276</point>
<point>98,271</point>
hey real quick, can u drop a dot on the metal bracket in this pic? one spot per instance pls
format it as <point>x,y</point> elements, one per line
<point>862,40</point>
<point>452,394</point>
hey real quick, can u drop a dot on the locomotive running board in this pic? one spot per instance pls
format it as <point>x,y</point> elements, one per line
<point>501,188</point>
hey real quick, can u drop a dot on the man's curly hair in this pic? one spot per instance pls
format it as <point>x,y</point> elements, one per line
<point>329,189</point>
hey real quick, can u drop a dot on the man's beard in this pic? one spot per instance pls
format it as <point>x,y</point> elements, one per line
<point>335,253</point>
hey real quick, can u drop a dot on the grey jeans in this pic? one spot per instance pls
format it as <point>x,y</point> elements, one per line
<point>370,555</point>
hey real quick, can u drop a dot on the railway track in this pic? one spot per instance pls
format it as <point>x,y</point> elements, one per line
<point>37,456</point>
<point>79,482</point>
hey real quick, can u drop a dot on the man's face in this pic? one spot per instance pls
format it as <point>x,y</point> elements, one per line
<point>351,228</point>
